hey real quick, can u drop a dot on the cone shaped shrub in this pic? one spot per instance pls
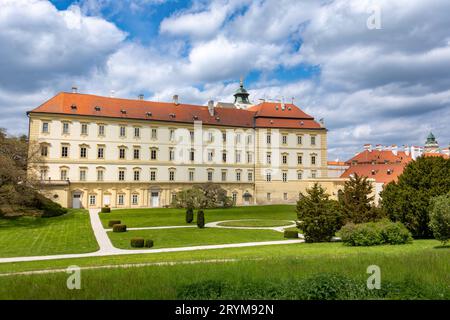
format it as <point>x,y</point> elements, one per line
<point>200,219</point>
<point>189,215</point>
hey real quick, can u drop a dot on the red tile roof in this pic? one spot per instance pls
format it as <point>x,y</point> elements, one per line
<point>380,156</point>
<point>379,172</point>
<point>262,115</point>
<point>434,154</point>
<point>336,163</point>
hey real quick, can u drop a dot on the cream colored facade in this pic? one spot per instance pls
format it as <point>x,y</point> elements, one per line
<point>93,161</point>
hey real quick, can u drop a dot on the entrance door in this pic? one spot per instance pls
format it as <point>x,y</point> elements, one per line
<point>106,200</point>
<point>76,201</point>
<point>155,199</point>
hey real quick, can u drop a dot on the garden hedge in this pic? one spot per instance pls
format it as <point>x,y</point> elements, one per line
<point>290,234</point>
<point>106,209</point>
<point>137,242</point>
<point>119,228</point>
<point>148,243</point>
<point>113,222</point>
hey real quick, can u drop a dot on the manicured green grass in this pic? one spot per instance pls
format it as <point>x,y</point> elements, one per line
<point>184,237</point>
<point>135,218</point>
<point>421,269</point>
<point>30,236</point>
<point>256,223</point>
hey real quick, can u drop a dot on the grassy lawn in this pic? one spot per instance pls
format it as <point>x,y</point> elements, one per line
<point>29,236</point>
<point>256,223</point>
<point>184,237</point>
<point>419,270</point>
<point>135,218</point>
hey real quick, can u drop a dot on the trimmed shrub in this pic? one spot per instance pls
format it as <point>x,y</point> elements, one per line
<point>106,210</point>
<point>137,242</point>
<point>189,215</point>
<point>119,228</point>
<point>113,222</point>
<point>148,243</point>
<point>200,219</point>
<point>290,234</point>
<point>375,233</point>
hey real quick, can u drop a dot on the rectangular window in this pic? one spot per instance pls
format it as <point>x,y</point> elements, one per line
<point>154,133</point>
<point>191,175</point>
<point>249,139</point>
<point>224,176</point>
<point>84,129</point>
<point>83,152</point>
<point>210,155</point>
<point>191,133</point>
<point>284,159</point>
<point>45,127</point>
<point>136,175</point>
<point>121,175</point>
<point>268,138</point>
<point>299,139</point>
<point>99,175</point>
<point>82,175</point>
<point>63,174</point>
<point>92,200</point>
<point>153,175</point>
<point>65,127</point>
<point>238,176</point>
<point>171,155</point>
<point>285,196</point>
<point>313,140</point>
<point>120,199</point>
<point>268,158</point>
<point>268,177</point>
<point>122,153</point>
<point>43,173</point>
<point>269,196</point>
<point>101,130</point>
<point>172,135</point>
<point>44,151</point>
<point>234,197</point>
<point>238,156</point>
<point>250,176</point>
<point>284,176</point>
<point>299,175</point>
<point>249,157</point>
<point>136,154</point>
<point>122,131</point>
<point>64,151</point>
<point>299,159</point>
<point>100,152</point>
<point>134,199</point>
<point>284,139</point>
<point>137,132</point>
<point>238,138</point>
<point>192,155</point>
<point>314,174</point>
<point>210,136</point>
<point>171,175</point>
<point>153,154</point>
<point>224,156</point>
<point>224,136</point>
<point>313,160</point>
<point>210,176</point>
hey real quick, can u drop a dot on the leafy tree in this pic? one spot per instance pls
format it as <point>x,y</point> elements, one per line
<point>204,196</point>
<point>357,201</point>
<point>319,216</point>
<point>440,218</point>
<point>408,200</point>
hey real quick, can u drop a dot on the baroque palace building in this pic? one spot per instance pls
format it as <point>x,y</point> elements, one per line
<point>98,151</point>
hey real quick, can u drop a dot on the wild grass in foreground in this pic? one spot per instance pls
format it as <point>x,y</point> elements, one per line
<point>306,272</point>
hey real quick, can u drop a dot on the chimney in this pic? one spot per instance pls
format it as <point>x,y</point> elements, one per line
<point>175,100</point>
<point>74,89</point>
<point>368,147</point>
<point>322,122</point>
<point>141,97</point>
<point>394,149</point>
<point>112,93</point>
<point>406,149</point>
<point>211,107</point>
<point>446,151</point>
<point>379,147</point>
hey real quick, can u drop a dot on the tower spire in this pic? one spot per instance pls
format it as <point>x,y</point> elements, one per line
<point>241,95</point>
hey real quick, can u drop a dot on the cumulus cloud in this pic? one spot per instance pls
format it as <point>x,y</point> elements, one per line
<point>387,85</point>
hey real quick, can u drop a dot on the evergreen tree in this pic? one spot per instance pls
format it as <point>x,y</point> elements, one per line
<point>408,200</point>
<point>357,201</point>
<point>319,216</point>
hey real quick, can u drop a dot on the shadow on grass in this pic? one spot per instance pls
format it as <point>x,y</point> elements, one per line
<point>447,246</point>
<point>31,222</point>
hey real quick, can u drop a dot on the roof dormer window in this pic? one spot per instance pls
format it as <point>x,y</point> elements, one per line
<point>73,107</point>
<point>123,111</point>
<point>148,114</point>
<point>97,108</point>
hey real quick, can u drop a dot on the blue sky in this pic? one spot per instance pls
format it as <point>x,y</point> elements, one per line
<point>389,85</point>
